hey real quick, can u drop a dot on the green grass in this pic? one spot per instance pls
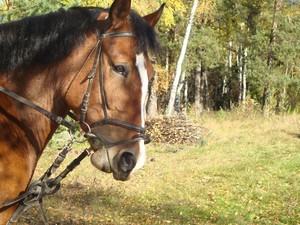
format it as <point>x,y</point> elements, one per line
<point>248,172</point>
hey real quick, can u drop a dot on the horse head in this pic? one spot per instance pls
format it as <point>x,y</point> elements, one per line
<point>115,89</point>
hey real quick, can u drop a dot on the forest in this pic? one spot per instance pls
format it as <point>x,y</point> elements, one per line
<point>215,54</point>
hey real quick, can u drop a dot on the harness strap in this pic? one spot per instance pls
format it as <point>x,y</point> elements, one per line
<point>134,138</point>
<point>101,81</point>
<point>41,188</point>
<point>101,84</point>
<point>90,77</point>
<point>129,126</point>
<point>119,123</point>
<point>116,34</point>
<point>57,119</point>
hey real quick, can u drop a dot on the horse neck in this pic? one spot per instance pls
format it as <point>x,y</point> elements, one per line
<point>46,86</point>
<point>29,128</point>
<point>25,132</point>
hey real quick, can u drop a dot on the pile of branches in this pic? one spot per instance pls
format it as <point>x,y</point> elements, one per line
<point>174,130</point>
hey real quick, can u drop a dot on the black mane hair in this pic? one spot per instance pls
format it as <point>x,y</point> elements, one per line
<point>51,37</point>
<point>145,34</point>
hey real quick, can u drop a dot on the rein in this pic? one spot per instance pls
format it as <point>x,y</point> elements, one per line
<point>46,186</point>
<point>59,120</point>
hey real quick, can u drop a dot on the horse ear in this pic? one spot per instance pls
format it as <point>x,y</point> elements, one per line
<point>153,18</point>
<point>118,13</point>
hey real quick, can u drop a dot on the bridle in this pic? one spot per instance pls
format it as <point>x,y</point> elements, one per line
<point>106,120</point>
<point>141,132</point>
<point>47,185</point>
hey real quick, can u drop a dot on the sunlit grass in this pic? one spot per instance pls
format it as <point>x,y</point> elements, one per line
<point>248,172</point>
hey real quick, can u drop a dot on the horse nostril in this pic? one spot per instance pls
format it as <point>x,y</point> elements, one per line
<point>127,162</point>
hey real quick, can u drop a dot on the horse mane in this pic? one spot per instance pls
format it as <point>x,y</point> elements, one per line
<point>49,38</point>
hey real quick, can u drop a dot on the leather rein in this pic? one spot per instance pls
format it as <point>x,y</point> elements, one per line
<point>48,186</point>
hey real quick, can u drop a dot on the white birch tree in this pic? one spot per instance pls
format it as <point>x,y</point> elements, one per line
<point>170,107</point>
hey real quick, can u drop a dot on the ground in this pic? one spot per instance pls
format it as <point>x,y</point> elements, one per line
<point>244,171</point>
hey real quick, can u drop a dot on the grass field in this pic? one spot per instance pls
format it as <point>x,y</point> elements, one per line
<point>246,172</point>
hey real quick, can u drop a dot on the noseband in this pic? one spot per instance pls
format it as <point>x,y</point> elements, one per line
<point>141,132</point>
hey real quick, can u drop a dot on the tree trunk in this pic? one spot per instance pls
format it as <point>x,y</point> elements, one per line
<point>244,76</point>
<point>170,106</point>
<point>178,93</point>
<point>266,94</point>
<point>185,105</point>
<point>225,79</point>
<point>198,102</point>
<point>239,62</point>
<point>9,6</point>
<point>167,64</point>
<point>151,107</point>
<point>204,89</point>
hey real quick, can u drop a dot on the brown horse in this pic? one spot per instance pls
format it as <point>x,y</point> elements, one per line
<point>91,61</point>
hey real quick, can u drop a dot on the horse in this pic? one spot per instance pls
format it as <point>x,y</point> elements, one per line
<point>90,61</point>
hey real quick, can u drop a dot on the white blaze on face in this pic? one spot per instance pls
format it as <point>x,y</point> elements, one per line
<point>140,64</point>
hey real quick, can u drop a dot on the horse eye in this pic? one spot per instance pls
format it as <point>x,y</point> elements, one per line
<point>120,69</point>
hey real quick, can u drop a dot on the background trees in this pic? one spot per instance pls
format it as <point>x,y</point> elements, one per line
<point>240,52</point>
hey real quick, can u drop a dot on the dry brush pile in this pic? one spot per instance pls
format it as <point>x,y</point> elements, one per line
<point>175,130</point>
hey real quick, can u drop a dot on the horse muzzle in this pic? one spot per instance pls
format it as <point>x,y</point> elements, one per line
<point>119,162</point>
<point>114,154</point>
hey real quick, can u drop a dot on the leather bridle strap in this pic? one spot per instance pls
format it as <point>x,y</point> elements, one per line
<point>123,124</point>
<point>109,121</point>
<point>102,36</point>
<point>57,119</point>
<point>116,34</point>
<point>90,77</point>
<point>119,123</point>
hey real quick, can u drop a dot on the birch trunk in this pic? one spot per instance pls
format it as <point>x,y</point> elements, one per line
<point>170,107</point>
<point>178,93</point>
<point>167,65</point>
<point>151,107</point>
<point>239,62</point>
<point>225,80</point>
<point>198,83</point>
<point>244,82</point>
<point>204,89</point>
